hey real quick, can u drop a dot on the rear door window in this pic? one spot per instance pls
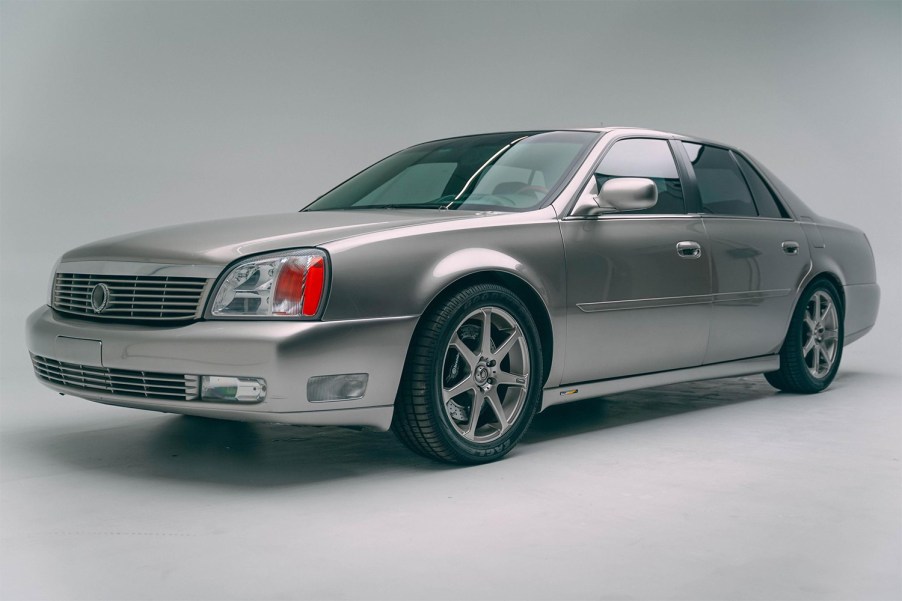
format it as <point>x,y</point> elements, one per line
<point>721,184</point>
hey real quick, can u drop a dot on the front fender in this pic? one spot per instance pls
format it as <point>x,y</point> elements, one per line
<point>469,261</point>
<point>399,273</point>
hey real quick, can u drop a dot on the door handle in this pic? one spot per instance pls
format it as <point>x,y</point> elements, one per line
<point>791,247</point>
<point>689,249</point>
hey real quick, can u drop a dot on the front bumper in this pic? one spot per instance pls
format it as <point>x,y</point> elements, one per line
<point>286,354</point>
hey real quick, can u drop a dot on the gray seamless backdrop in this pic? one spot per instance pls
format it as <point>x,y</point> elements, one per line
<point>120,116</point>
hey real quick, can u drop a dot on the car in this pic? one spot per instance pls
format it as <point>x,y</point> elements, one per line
<point>454,289</point>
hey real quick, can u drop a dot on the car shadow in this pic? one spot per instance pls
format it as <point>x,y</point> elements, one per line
<point>656,403</point>
<point>643,405</point>
<point>239,454</point>
<point>229,453</point>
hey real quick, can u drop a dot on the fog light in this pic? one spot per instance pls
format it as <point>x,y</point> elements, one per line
<point>342,387</point>
<point>229,388</point>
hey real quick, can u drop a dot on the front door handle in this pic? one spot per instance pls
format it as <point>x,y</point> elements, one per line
<point>791,247</point>
<point>689,249</point>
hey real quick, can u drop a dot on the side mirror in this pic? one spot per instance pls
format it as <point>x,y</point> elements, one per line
<point>628,194</point>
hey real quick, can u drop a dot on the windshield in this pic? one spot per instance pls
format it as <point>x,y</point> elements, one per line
<point>498,172</point>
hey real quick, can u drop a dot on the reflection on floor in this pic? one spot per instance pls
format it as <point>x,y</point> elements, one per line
<point>719,489</point>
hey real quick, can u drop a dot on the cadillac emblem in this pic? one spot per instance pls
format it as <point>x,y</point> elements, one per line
<point>100,298</point>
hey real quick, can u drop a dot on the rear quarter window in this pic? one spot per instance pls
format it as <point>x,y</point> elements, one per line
<point>768,205</point>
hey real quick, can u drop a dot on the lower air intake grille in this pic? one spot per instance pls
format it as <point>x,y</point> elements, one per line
<point>123,382</point>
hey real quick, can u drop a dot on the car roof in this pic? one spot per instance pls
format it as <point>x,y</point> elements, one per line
<point>625,129</point>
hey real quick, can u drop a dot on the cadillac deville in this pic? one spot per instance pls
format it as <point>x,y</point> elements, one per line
<point>456,288</point>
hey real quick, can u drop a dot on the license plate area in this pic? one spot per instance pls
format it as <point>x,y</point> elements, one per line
<point>81,351</point>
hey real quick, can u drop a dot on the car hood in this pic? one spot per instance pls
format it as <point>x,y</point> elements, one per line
<point>223,241</point>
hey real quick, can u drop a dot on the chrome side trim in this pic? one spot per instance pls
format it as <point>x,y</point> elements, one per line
<point>646,303</point>
<point>678,301</point>
<point>629,217</point>
<point>589,390</point>
<point>729,297</point>
<point>713,216</point>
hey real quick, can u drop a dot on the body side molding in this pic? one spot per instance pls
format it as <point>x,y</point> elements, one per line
<point>675,301</point>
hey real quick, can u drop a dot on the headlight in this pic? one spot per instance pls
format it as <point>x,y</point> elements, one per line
<point>285,284</point>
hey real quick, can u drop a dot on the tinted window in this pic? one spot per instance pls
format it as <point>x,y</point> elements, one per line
<point>645,158</point>
<point>421,180</point>
<point>507,172</point>
<point>503,177</point>
<point>720,183</point>
<point>764,199</point>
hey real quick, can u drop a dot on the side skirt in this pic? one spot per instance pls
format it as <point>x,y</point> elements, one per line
<point>589,390</point>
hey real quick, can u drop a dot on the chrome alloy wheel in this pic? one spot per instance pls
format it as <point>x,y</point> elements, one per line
<point>485,374</point>
<point>820,334</point>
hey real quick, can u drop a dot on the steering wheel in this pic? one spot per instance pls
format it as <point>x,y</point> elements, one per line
<point>538,190</point>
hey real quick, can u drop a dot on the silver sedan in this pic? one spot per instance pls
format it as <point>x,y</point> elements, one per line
<point>456,288</point>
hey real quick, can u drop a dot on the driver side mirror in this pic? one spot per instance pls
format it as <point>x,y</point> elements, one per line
<point>617,194</point>
<point>628,194</point>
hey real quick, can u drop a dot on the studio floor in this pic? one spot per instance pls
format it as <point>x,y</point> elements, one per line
<point>714,490</point>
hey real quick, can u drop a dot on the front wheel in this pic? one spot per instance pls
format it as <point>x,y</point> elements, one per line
<point>473,378</point>
<point>812,350</point>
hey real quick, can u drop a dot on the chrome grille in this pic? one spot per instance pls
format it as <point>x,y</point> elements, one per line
<point>130,297</point>
<point>122,382</point>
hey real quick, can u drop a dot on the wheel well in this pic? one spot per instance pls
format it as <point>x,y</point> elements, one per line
<point>829,277</point>
<point>833,279</point>
<point>524,291</point>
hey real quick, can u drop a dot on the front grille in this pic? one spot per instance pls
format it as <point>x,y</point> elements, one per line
<point>124,382</point>
<point>130,296</point>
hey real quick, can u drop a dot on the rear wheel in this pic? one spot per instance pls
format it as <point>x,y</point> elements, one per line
<point>472,381</point>
<point>812,350</point>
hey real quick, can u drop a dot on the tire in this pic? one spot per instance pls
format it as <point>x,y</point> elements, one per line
<point>812,350</point>
<point>453,372</point>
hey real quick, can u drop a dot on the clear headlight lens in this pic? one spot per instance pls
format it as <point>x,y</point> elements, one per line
<point>287,284</point>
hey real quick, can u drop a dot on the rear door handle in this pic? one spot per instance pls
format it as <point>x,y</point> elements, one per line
<point>791,247</point>
<point>689,249</point>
